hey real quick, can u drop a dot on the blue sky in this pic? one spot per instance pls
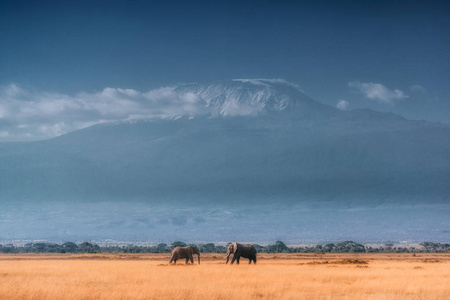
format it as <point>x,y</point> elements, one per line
<point>386,55</point>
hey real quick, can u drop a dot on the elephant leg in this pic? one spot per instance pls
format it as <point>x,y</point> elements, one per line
<point>175,261</point>
<point>228,258</point>
<point>233,259</point>
<point>192,260</point>
<point>254,260</point>
<point>237,259</point>
<point>187,260</point>
<point>249,261</point>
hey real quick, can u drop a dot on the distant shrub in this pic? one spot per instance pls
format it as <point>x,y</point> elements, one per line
<point>178,244</point>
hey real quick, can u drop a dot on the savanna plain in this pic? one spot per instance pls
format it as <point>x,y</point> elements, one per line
<point>275,276</point>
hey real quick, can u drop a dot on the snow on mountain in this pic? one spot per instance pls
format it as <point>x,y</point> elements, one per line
<point>242,97</point>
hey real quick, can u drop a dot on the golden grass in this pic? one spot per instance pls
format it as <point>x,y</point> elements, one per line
<point>284,276</point>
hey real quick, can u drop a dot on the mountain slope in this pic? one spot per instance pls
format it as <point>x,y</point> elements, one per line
<point>243,157</point>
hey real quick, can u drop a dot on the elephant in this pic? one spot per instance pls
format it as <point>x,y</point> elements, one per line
<point>244,250</point>
<point>184,252</point>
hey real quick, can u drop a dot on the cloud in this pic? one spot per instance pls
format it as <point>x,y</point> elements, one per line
<point>30,115</point>
<point>377,91</point>
<point>417,88</point>
<point>342,105</point>
<point>264,81</point>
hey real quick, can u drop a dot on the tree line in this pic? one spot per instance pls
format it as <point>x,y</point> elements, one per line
<point>277,247</point>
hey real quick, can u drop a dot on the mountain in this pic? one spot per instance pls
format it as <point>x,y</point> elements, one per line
<point>264,148</point>
<point>240,97</point>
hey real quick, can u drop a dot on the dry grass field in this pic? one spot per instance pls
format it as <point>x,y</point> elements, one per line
<point>281,276</point>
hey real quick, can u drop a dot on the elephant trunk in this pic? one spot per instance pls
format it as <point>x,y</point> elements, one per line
<point>199,258</point>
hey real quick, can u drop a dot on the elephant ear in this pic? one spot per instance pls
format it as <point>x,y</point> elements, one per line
<point>234,247</point>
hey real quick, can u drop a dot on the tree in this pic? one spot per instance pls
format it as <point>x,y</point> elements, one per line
<point>429,246</point>
<point>89,248</point>
<point>389,246</point>
<point>278,247</point>
<point>161,247</point>
<point>69,246</point>
<point>178,244</point>
<point>39,247</point>
<point>349,246</point>
<point>329,247</point>
<point>208,248</point>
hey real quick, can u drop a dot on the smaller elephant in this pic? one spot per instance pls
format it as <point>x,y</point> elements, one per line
<point>184,252</point>
<point>244,250</point>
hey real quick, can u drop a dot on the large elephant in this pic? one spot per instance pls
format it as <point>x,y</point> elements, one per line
<point>185,252</point>
<point>244,250</point>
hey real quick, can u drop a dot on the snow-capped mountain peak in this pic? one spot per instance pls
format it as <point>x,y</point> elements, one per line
<point>247,96</point>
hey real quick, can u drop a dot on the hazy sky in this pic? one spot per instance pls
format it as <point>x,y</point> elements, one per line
<point>387,55</point>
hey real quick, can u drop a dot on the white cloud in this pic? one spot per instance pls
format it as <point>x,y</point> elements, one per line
<point>53,129</point>
<point>377,91</point>
<point>13,90</point>
<point>263,81</point>
<point>31,115</point>
<point>342,105</point>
